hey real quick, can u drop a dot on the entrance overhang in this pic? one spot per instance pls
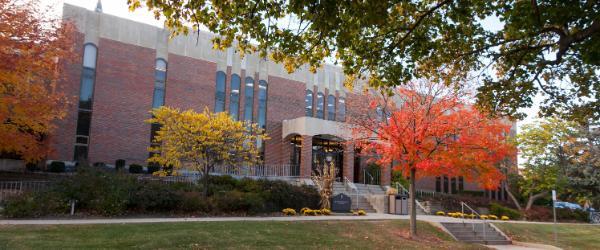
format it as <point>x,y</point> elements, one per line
<point>313,126</point>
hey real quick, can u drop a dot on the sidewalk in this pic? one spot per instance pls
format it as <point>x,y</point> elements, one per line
<point>427,218</point>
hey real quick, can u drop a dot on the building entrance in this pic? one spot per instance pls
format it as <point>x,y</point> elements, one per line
<point>328,149</point>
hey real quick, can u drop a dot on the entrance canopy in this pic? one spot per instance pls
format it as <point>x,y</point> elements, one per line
<point>313,126</point>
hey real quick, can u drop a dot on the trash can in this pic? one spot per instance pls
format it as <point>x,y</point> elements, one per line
<point>398,204</point>
<point>401,205</point>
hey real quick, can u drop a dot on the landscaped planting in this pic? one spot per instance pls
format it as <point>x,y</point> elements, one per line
<point>106,193</point>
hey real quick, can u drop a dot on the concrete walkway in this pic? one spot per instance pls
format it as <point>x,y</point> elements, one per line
<point>373,216</point>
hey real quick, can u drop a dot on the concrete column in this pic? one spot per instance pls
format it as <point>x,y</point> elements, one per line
<point>386,175</point>
<point>306,156</point>
<point>349,161</point>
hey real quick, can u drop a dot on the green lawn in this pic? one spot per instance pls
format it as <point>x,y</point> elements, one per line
<point>230,235</point>
<point>569,236</point>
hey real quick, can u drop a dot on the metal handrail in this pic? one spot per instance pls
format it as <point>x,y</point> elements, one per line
<point>351,185</point>
<point>462,207</point>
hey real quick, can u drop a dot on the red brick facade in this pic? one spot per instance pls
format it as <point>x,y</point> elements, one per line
<point>123,93</point>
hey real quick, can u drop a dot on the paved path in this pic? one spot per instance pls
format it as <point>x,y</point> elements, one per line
<point>201,219</point>
<point>428,218</point>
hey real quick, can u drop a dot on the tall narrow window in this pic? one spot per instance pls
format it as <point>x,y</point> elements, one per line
<point>234,97</point>
<point>220,93</point>
<point>461,184</point>
<point>438,184</point>
<point>331,108</point>
<point>342,109</point>
<point>248,99</point>
<point>320,105</point>
<point>86,94</point>
<point>453,185</point>
<point>262,113</point>
<point>160,78</point>
<point>446,184</point>
<point>309,103</point>
<point>158,98</point>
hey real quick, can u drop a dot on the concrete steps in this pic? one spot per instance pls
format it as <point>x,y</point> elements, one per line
<point>474,233</point>
<point>363,203</point>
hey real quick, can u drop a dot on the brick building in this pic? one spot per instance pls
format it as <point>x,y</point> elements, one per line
<point>126,68</point>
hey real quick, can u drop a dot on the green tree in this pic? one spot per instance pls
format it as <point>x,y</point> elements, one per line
<point>201,141</point>
<point>583,169</point>
<point>542,144</point>
<point>550,47</point>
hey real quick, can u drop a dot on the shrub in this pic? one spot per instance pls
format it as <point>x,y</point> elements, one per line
<point>278,195</point>
<point>98,190</point>
<point>440,213</point>
<point>99,164</point>
<point>572,215</point>
<point>504,217</point>
<point>136,169</point>
<point>119,164</point>
<point>493,217</point>
<point>325,211</point>
<point>500,210</point>
<point>362,212</point>
<point>483,217</point>
<point>194,202</point>
<point>304,209</point>
<point>239,202</point>
<point>539,213</point>
<point>32,166</point>
<point>57,167</point>
<point>155,196</point>
<point>153,167</point>
<point>289,211</point>
<point>34,205</point>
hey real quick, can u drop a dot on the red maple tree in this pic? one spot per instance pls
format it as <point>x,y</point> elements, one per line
<point>428,129</point>
<point>33,46</point>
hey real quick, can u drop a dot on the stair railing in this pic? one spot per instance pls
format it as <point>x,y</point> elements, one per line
<point>463,205</point>
<point>350,185</point>
<point>365,182</point>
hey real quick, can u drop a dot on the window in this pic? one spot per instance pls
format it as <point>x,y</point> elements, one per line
<point>331,108</point>
<point>158,98</point>
<point>160,78</point>
<point>320,105</point>
<point>453,185</point>
<point>309,103</point>
<point>438,184</point>
<point>262,104</point>
<point>446,184</point>
<point>461,184</point>
<point>86,94</point>
<point>262,113</point>
<point>248,99</point>
<point>220,93</point>
<point>342,109</point>
<point>234,97</point>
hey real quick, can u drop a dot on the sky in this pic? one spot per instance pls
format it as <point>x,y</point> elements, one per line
<point>120,8</point>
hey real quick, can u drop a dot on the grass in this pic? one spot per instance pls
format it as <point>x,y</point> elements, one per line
<point>230,235</point>
<point>570,236</point>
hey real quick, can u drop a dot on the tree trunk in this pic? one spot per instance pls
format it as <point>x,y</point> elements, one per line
<point>206,181</point>
<point>413,204</point>
<point>533,198</point>
<point>512,197</point>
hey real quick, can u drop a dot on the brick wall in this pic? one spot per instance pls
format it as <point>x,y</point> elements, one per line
<point>122,100</point>
<point>285,101</point>
<point>191,83</point>
<point>62,139</point>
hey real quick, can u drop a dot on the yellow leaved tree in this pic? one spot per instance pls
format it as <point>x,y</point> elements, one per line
<point>201,141</point>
